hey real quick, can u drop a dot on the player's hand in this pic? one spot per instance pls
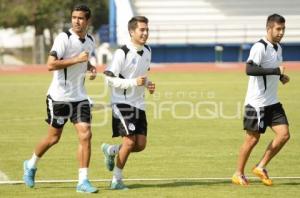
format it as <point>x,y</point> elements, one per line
<point>151,87</point>
<point>284,79</point>
<point>282,68</point>
<point>141,80</point>
<point>82,57</point>
<point>93,72</point>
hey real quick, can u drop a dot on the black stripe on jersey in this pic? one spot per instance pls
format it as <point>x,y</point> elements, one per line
<point>125,90</point>
<point>82,40</point>
<point>264,43</point>
<point>68,33</point>
<point>147,47</point>
<point>275,46</point>
<point>125,50</point>
<point>109,73</point>
<point>90,37</point>
<point>66,74</point>
<point>54,54</point>
<point>140,52</point>
<point>265,82</point>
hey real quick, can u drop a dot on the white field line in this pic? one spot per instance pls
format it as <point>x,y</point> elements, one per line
<point>148,179</point>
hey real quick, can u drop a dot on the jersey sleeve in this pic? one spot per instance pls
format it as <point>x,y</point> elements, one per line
<point>117,62</point>
<point>256,53</point>
<point>59,45</point>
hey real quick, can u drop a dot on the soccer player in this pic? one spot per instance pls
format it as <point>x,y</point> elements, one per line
<point>67,97</point>
<point>127,78</point>
<point>262,108</point>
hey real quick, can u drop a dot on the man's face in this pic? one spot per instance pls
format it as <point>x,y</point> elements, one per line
<point>79,22</point>
<point>140,35</point>
<point>276,32</point>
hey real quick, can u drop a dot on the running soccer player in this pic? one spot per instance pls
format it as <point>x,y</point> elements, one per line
<point>67,98</point>
<point>262,108</point>
<point>127,78</point>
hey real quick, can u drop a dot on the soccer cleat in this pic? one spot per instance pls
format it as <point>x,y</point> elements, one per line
<point>109,160</point>
<point>86,187</point>
<point>118,185</point>
<point>240,180</point>
<point>29,175</point>
<point>263,175</point>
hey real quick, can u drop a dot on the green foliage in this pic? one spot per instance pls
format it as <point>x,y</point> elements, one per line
<point>47,14</point>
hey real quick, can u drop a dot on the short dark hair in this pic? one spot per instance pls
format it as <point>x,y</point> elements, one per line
<point>83,8</point>
<point>274,18</point>
<point>132,23</point>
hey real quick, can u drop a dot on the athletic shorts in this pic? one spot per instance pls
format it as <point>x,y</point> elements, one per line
<point>128,120</point>
<point>58,112</point>
<point>258,119</point>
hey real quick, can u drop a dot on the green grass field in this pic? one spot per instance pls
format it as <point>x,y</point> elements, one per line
<point>195,131</point>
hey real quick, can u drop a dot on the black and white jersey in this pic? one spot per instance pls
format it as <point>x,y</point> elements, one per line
<point>68,84</point>
<point>126,66</point>
<point>262,90</point>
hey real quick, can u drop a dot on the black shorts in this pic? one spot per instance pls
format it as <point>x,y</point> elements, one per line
<point>128,120</point>
<point>257,120</point>
<point>59,112</point>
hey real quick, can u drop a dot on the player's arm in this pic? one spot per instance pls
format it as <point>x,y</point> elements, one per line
<point>54,63</point>
<point>253,69</point>
<point>150,86</point>
<point>92,69</point>
<point>284,78</point>
<point>117,82</point>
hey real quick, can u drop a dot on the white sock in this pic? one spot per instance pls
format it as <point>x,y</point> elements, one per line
<point>113,149</point>
<point>117,174</point>
<point>82,175</point>
<point>260,167</point>
<point>33,161</point>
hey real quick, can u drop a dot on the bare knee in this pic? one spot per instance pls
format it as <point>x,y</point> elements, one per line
<point>85,136</point>
<point>139,147</point>
<point>252,139</point>
<point>285,137</point>
<point>53,140</point>
<point>129,144</point>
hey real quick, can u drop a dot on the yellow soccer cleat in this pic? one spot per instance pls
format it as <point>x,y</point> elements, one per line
<point>240,180</point>
<point>262,173</point>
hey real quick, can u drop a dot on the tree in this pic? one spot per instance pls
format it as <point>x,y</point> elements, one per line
<point>47,15</point>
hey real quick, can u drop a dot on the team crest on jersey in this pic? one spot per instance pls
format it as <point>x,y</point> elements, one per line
<point>133,61</point>
<point>60,120</point>
<point>131,127</point>
<point>261,124</point>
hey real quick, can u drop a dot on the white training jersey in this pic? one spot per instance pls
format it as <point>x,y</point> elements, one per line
<point>262,90</point>
<point>68,84</point>
<point>127,65</point>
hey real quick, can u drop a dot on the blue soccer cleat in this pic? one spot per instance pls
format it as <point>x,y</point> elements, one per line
<point>86,187</point>
<point>29,175</point>
<point>109,160</point>
<point>118,185</point>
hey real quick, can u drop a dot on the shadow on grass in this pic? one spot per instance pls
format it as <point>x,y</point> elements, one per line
<point>291,183</point>
<point>177,184</point>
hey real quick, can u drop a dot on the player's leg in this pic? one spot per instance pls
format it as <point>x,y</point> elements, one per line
<point>251,139</point>
<point>253,127</point>
<point>128,144</point>
<point>282,135</point>
<point>30,166</point>
<point>83,128</point>
<point>57,114</point>
<point>51,139</point>
<point>279,124</point>
<point>141,132</point>
<point>140,145</point>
